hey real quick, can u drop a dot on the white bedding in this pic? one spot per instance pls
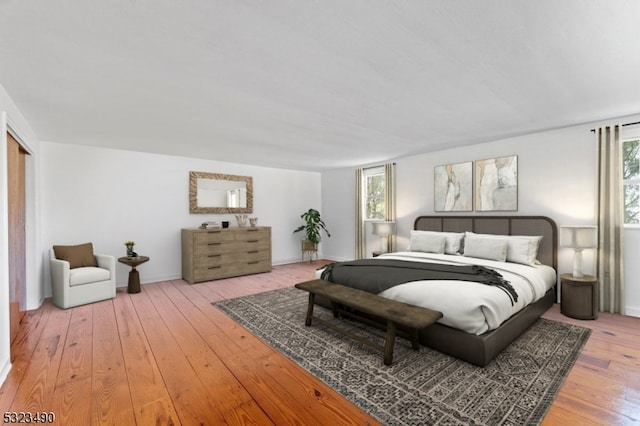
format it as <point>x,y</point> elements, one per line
<point>469,306</point>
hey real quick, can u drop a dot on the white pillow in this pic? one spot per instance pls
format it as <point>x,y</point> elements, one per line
<point>520,248</point>
<point>427,243</point>
<point>485,248</point>
<point>453,240</point>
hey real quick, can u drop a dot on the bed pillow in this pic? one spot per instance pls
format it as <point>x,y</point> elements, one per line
<point>78,256</point>
<point>485,248</point>
<point>453,240</point>
<point>427,242</point>
<point>520,248</point>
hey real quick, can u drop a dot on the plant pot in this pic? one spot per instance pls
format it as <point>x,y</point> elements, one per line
<point>309,248</point>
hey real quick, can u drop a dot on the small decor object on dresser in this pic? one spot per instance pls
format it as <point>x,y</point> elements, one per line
<point>242,220</point>
<point>579,296</point>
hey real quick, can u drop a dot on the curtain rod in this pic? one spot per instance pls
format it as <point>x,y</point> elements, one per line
<point>375,167</point>
<point>623,125</point>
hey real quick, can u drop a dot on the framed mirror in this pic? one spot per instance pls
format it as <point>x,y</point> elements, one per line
<point>220,193</point>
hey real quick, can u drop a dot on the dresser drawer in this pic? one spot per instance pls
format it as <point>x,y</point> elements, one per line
<point>215,236</point>
<point>252,234</point>
<point>230,246</point>
<point>231,270</point>
<point>216,259</point>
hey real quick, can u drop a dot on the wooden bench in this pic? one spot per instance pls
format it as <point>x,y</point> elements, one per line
<point>395,313</point>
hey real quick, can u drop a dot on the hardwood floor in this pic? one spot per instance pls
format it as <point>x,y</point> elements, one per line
<point>166,356</point>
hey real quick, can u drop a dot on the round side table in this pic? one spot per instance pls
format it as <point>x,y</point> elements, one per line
<point>134,276</point>
<point>579,296</point>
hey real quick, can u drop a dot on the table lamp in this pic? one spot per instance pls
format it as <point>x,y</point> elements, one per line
<point>383,230</point>
<point>578,238</point>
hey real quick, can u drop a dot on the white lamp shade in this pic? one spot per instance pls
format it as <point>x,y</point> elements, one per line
<point>383,229</point>
<point>579,237</point>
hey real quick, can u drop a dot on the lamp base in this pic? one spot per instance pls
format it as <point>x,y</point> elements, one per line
<point>577,264</point>
<point>384,246</point>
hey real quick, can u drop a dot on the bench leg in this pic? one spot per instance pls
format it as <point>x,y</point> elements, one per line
<point>389,342</point>
<point>307,321</point>
<point>334,309</point>
<point>415,341</point>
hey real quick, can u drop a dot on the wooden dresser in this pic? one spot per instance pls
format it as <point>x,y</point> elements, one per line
<point>210,254</point>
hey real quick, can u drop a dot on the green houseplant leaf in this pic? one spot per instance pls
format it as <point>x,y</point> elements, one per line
<point>313,227</point>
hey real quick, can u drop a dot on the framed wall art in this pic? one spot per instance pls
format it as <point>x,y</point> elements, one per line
<point>453,187</point>
<point>497,184</point>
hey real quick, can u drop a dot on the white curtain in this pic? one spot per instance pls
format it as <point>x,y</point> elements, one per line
<point>610,258</point>
<point>390,201</point>
<point>361,244</point>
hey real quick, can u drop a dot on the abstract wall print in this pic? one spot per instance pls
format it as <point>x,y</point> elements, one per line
<point>497,184</point>
<point>453,188</point>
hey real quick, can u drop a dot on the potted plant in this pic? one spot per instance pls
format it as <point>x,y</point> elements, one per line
<point>312,228</point>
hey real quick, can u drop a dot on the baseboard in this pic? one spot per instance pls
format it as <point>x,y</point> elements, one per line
<point>338,259</point>
<point>286,261</point>
<point>299,260</point>
<point>632,311</point>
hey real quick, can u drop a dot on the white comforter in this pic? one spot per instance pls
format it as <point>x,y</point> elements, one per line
<point>469,306</point>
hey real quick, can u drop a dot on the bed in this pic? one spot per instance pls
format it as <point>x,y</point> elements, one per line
<point>460,333</point>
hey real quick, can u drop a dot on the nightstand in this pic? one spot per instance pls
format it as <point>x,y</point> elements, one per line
<point>579,296</point>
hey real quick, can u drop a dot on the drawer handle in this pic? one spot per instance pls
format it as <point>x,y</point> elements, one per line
<point>253,263</point>
<point>213,232</point>
<point>253,241</point>
<point>251,230</point>
<point>214,255</point>
<point>214,244</point>
<point>253,251</point>
<point>214,267</point>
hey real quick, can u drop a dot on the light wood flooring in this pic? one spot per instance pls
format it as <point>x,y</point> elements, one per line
<point>166,356</point>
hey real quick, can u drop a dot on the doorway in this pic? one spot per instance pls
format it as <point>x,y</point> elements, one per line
<point>17,235</point>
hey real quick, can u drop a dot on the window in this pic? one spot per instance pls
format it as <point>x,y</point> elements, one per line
<point>374,193</point>
<point>631,180</point>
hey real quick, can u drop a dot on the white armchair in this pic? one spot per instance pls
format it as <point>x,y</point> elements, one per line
<point>74,283</point>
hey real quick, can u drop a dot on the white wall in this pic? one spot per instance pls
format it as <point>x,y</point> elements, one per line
<point>556,178</point>
<point>109,196</point>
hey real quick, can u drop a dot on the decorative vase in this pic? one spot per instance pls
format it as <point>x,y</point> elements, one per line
<point>253,221</point>
<point>242,220</point>
<point>130,251</point>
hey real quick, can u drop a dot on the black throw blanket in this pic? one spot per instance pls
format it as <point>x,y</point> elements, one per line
<point>376,275</point>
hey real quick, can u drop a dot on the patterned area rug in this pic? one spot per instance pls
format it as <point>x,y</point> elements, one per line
<point>420,387</point>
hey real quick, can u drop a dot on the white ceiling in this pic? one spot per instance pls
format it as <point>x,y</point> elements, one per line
<point>315,85</point>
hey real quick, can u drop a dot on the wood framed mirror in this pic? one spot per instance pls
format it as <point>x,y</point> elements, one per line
<point>220,193</point>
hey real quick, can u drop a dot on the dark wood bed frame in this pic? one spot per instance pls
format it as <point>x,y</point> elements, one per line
<point>481,349</point>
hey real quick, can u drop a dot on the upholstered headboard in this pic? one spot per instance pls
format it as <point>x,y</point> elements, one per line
<point>500,225</point>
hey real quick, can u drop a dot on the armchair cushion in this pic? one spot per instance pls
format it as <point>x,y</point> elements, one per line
<point>78,256</point>
<point>85,275</point>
